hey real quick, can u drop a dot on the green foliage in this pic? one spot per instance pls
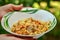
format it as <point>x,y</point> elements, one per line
<point>41,38</point>
<point>2,2</point>
<point>24,2</point>
<point>2,31</point>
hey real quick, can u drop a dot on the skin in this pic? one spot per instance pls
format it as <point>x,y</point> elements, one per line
<point>5,9</point>
<point>8,8</point>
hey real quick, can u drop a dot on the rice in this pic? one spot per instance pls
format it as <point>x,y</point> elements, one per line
<point>29,26</point>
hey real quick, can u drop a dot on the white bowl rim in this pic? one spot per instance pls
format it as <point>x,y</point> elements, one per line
<point>26,35</point>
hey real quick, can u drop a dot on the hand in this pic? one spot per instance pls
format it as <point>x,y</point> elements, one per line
<point>12,37</point>
<point>9,8</point>
<point>3,11</point>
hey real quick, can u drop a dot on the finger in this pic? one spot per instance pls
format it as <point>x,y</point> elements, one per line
<point>9,7</point>
<point>12,37</point>
<point>1,14</point>
<point>10,10</point>
<point>5,37</point>
<point>17,7</point>
<point>21,37</point>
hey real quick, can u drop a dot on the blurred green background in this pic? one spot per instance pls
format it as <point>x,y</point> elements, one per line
<point>52,6</point>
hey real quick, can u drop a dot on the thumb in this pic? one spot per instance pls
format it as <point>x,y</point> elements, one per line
<point>17,7</point>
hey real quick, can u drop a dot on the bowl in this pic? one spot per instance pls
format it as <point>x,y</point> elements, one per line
<point>10,18</point>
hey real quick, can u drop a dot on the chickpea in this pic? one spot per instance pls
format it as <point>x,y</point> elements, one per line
<point>30,26</point>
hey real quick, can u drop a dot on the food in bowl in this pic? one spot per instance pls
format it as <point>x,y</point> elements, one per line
<point>30,26</point>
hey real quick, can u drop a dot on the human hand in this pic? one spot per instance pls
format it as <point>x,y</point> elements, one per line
<point>3,11</point>
<point>8,8</point>
<point>13,37</point>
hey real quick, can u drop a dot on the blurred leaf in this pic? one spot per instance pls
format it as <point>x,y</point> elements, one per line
<point>36,5</point>
<point>6,0</point>
<point>57,14</point>
<point>43,4</point>
<point>54,3</point>
<point>16,1</point>
<point>48,3</point>
<point>28,3</point>
<point>2,31</point>
<point>41,38</point>
<point>2,2</point>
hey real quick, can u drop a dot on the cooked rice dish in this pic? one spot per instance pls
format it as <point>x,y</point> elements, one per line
<point>29,26</point>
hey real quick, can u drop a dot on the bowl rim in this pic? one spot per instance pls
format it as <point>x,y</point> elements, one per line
<point>27,35</point>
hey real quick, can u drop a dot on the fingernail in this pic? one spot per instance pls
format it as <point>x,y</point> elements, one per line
<point>21,4</point>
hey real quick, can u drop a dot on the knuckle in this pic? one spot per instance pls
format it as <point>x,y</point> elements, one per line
<point>10,4</point>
